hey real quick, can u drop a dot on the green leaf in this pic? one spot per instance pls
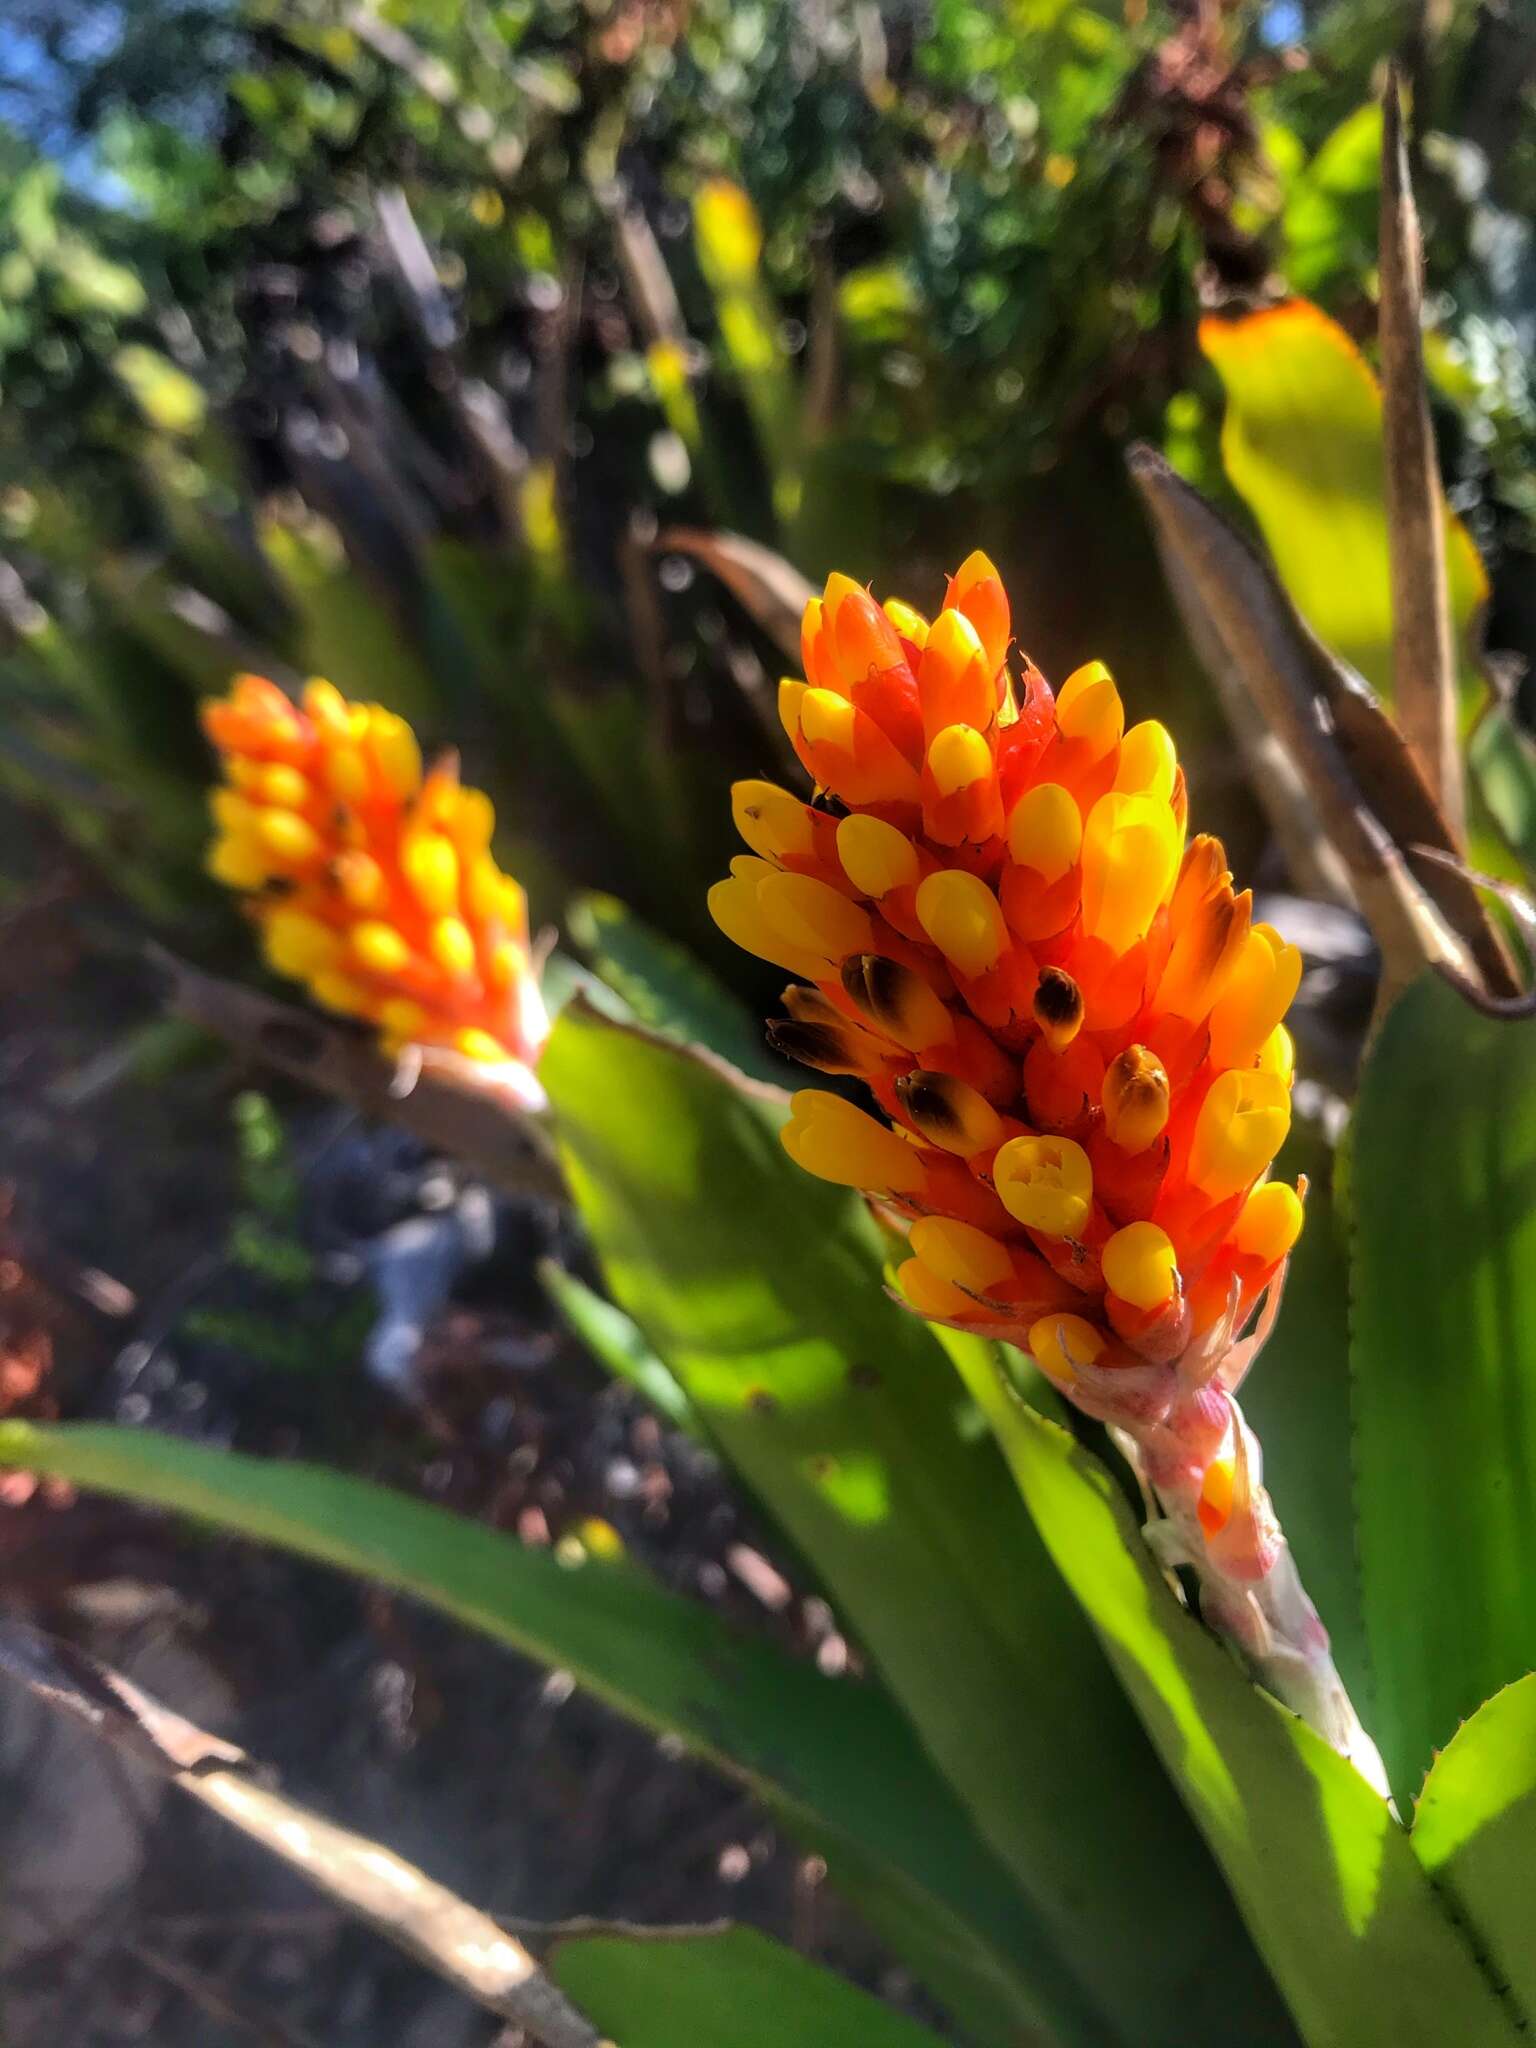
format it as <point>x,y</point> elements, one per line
<point>1475,1833</point>
<point>760,1288</point>
<point>665,987</point>
<point>168,397</point>
<point>833,1758</point>
<point>1324,1875</point>
<point>1303,446</point>
<point>1502,757</point>
<point>1330,211</point>
<point>1443,1192</point>
<point>735,1988</point>
<point>617,1344</point>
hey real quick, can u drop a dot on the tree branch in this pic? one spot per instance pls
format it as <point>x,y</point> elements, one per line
<point>457,1941</point>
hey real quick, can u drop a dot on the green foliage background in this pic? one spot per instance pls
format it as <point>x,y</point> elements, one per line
<point>382,341</point>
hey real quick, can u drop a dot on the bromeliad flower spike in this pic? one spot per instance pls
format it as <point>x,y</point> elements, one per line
<point>1071,1025</point>
<point>371,881</point>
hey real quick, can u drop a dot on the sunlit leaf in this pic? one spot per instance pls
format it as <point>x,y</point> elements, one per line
<point>826,1755</point>
<point>1356,1937</point>
<point>1443,1211</point>
<point>736,1986</point>
<point>665,988</point>
<point>618,1345</point>
<point>1302,443</point>
<point>1475,1833</point>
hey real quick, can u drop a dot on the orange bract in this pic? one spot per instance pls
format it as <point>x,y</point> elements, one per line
<point>1065,1013</point>
<point>371,881</point>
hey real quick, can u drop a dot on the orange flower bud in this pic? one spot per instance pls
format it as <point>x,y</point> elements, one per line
<point>1071,1019</point>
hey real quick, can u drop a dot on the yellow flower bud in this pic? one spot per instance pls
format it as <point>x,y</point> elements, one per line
<point>236,814</point>
<point>958,757</point>
<point>954,678</point>
<point>471,821</point>
<point>237,863</point>
<point>1088,708</point>
<point>910,624</point>
<point>453,946</point>
<point>1241,1126</point>
<point>395,752</point>
<point>1148,762</point>
<point>1046,831</point>
<point>876,857</point>
<point>960,914</point>
<point>431,868</point>
<point>327,707</point>
<point>735,909</point>
<point>1277,1055</point>
<point>476,1044</point>
<point>1140,1265</point>
<point>1059,1343</point>
<point>1258,993</point>
<point>929,1294</point>
<point>346,774</point>
<point>1270,1222</point>
<point>339,992</point>
<point>379,948</point>
<point>288,837</point>
<point>791,697</point>
<point>401,1020</point>
<point>771,821</point>
<point>281,785</point>
<point>827,720</point>
<point>1130,859</point>
<point>814,916</point>
<point>1047,1183</point>
<point>836,1142</point>
<point>297,944</point>
<point>960,1253</point>
<point>977,590</point>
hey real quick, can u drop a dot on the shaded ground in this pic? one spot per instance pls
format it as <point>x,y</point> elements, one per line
<point>150,1273</point>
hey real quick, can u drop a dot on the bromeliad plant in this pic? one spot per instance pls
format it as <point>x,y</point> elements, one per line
<point>1071,1027</point>
<point>1053,1792</point>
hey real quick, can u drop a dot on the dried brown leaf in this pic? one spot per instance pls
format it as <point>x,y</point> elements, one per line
<point>1423,647</point>
<point>1367,792</point>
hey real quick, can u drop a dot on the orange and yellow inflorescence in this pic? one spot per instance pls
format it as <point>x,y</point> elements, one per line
<point>372,881</point>
<point>1066,1015</point>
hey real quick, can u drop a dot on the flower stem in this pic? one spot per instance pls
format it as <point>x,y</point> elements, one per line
<point>1263,1610</point>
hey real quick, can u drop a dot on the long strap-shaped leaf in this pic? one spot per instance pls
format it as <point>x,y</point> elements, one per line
<point>729,1986</point>
<point>833,1758</point>
<point>1442,1191</point>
